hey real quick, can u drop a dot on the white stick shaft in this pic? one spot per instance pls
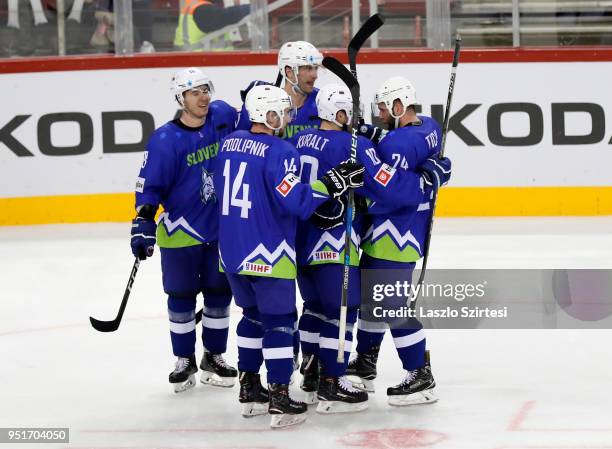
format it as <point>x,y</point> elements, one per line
<point>342,334</point>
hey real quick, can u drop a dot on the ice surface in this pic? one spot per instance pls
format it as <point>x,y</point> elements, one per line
<point>507,389</point>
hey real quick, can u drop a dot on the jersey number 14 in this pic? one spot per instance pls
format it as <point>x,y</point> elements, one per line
<point>233,200</point>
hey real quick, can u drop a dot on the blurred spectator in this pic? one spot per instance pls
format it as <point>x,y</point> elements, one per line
<point>33,25</point>
<point>104,34</point>
<point>103,37</point>
<point>199,17</point>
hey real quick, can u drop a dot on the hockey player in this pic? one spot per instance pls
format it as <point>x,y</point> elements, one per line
<point>261,201</point>
<point>394,240</point>
<point>298,65</point>
<point>177,173</point>
<point>320,248</point>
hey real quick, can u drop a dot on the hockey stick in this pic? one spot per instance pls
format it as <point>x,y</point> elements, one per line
<point>279,79</point>
<point>350,79</point>
<point>449,98</point>
<point>367,29</point>
<point>113,325</point>
<point>335,66</point>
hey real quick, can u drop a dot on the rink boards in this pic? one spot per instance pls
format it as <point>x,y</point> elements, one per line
<point>528,137</point>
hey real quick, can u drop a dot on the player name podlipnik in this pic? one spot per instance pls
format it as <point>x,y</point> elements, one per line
<point>446,312</point>
<point>245,146</point>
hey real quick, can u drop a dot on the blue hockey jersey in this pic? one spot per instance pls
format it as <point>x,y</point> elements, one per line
<point>399,234</point>
<point>307,117</point>
<point>261,200</point>
<point>388,189</point>
<point>177,172</point>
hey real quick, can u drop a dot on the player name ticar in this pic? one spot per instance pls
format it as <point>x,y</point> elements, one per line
<point>445,312</point>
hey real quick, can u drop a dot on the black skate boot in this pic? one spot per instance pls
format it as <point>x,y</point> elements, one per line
<point>364,368</point>
<point>284,410</point>
<point>182,378</point>
<point>310,381</point>
<point>337,395</point>
<point>253,395</point>
<point>416,388</point>
<point>215,371</point>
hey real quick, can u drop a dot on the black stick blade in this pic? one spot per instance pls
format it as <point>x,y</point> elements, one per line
<point>111,326</point>
<point>338,69</point>
<point>104,326</point>
<point>367,29</point>
<point>279,79</point>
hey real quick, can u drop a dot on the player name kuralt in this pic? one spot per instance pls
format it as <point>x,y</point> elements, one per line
<point>245,146</point>
<point>444,312</point>
<point>312,141</point>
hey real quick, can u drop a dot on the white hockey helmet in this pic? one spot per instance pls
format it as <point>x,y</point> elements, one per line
<point>266,98</point>
<point>333,98</point>
<point>297,54</point>
<point>395,88</point>
<point>187,79</point>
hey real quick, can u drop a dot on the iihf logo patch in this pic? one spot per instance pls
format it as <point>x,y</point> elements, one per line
<point>287,184</point>
<point>384,175</point>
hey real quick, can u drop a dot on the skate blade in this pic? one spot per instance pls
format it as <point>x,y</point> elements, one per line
<point>329,407</point>
<point>184,386</point>
<point>217,381</point>
<point>422,397</point>
<point>285,420</point>
<point>310,397</point>
<point>362,384</point>
<point>251,409</point>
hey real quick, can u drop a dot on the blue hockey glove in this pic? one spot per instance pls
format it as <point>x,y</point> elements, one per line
<point>143,233</point>
<point>374,133</point>
<point>436,172</point>
<point>347,175</point>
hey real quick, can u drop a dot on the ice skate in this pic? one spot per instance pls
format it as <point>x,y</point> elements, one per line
<point>284,410</point>
<point>416,388</point>
<point>216,371</point>
<point>362,370</point>
<point>337,395</point>
<point>253,396</point>
<point>183,376</point>
<point>310,379</point>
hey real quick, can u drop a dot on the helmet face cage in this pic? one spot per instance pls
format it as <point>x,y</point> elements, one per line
<point>395,88</point>
<point>333,98</point>
<point>264,99</point>
<point>298,54</point>
<point>188,79</point>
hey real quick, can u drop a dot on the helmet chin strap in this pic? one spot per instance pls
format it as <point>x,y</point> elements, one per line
<point>276,131</point>
<point>294,86</point>
<point>396,117</point>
